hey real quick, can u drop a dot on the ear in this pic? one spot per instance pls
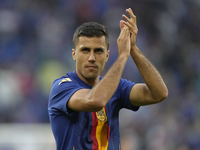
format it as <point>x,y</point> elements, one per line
<point>107,55</point>
<point>74,54</point>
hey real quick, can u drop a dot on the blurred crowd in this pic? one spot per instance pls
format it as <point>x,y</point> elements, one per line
<point>35,49</point>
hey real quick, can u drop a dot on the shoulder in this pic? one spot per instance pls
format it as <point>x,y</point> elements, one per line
<point>64,82</point>
<point>61,81</point>
<point>65,79</point>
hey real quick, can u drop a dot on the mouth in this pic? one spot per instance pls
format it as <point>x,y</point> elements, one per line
<point>91,66</point>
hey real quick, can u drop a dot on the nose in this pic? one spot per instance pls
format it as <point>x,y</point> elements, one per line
<point>91,57</point>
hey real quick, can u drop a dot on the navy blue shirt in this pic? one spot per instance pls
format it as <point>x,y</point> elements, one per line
<point>77,130</point>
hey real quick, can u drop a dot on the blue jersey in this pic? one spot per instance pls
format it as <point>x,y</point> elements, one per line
<point>77,130</point>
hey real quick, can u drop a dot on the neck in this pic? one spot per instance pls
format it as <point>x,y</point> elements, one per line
<point>89,81</point>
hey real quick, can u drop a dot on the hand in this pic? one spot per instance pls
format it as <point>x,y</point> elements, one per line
<point>123,42</point>
<point>131,24</point>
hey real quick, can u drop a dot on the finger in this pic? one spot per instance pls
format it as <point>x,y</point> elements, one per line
<point>122,24</point>
<point>133,29</point>
<point>125,29</point>
<point>125,32</point>
<point>129,20</point>
<point>132,19</point>
<point>129,23</point>
<point>126,18</point>
<point>129,11</point>
<point>128,31</point>
<point>132,16</point>
<point>122,31</point>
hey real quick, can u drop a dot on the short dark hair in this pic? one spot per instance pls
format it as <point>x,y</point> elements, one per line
<point>91,29</point>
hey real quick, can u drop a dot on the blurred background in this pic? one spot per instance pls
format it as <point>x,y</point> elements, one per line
<point>35,48</point>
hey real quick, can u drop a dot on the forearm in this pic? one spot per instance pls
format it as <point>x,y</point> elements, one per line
<point>101,93</point>
<point>150,75</point>
<point>104,90</point>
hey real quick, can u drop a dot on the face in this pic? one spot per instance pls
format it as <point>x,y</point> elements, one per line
<point>90,55</point>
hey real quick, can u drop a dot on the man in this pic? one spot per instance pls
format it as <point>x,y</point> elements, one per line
<point>84,107</point>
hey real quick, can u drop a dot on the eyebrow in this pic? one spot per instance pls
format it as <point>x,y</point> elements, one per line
<point>85,47</point>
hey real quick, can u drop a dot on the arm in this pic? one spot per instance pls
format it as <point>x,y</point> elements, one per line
<point>96,98</point>
<point>154,90</point>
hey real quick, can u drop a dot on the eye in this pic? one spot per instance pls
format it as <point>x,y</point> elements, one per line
<point>98,50</point>
<point>85,50</point>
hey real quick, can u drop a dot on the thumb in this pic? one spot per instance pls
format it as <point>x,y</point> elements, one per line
<point>122,24</point>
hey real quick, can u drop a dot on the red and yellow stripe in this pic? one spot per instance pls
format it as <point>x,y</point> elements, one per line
<point>100,130</point>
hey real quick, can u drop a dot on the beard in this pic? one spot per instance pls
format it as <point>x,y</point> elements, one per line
<point>90,74</point>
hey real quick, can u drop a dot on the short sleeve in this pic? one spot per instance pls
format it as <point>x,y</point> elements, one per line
<point>125,87</point>
<point>60,94</point>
